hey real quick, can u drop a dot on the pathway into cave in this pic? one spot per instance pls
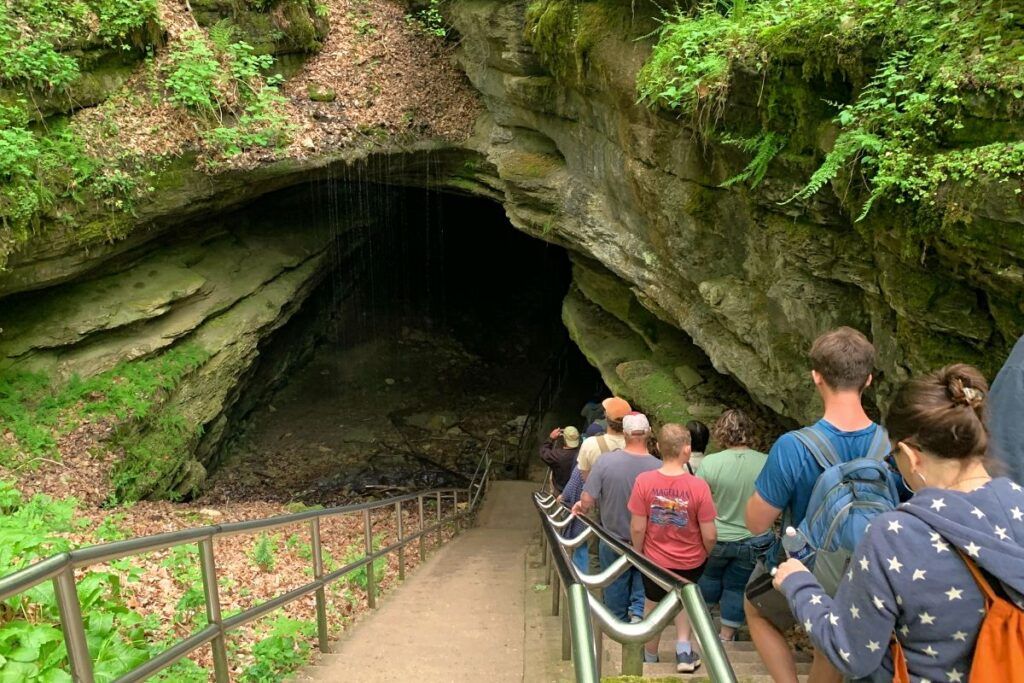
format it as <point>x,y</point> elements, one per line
<point>435,327</point>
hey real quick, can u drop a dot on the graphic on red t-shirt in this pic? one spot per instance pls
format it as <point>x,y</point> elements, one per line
<point>669,511</point>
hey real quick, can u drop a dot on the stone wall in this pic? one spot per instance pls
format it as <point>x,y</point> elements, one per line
<point>749,280</point>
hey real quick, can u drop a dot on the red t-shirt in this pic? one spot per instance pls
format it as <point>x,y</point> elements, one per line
<point>674,506</point>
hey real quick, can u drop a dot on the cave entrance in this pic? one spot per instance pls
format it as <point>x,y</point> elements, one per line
<point>434,326</point>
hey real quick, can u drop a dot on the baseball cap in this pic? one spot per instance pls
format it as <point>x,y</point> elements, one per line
<point>635,423</point>
<point>571,435</point>
<point>615,408</point>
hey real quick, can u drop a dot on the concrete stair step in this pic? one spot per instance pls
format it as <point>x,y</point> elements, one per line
<point>668,668</point>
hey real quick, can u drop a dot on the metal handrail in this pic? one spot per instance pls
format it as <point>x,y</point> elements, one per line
<point>680,594</point>
<point>577,632</point>
<point>60,569</point>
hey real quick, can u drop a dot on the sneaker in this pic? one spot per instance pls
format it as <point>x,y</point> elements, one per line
<point>635,618</point>
<point>688,662</point>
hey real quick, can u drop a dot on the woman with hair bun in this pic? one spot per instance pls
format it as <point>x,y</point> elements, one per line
<point>909,575</point>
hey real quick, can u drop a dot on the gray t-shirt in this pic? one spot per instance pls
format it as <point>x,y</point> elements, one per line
<point>611,481</point>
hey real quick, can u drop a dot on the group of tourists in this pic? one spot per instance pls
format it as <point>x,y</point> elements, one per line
<point>892,546</point>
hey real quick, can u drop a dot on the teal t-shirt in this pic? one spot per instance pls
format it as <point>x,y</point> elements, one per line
<point>731,474</point>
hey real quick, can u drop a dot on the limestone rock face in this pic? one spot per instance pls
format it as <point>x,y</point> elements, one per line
<point>749,280</point>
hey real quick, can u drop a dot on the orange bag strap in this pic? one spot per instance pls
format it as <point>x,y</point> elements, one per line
<point>900,673</point>
<point>979,578</point>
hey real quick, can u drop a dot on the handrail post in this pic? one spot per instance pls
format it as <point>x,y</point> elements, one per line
<point>455,513</point>
<point>566,628</point>
<point>715,659</point>
<point>423,534</point>
<point>440,528</point>
<point>598,644</point>
<point>556,593</point>
<point>587,659</point>
<point>71,623</point>
<point>633,659</point>
<point>321,592</point>
<point>210,590</point>
<point>371,583</point>
<point>401,544</point>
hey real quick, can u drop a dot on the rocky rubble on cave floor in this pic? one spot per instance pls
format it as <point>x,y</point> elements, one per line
<point>394,414</point>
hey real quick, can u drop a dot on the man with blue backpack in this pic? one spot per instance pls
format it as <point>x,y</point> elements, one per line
<point>827,481</point>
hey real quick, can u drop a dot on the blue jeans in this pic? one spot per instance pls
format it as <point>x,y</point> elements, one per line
<point>581,558</point>
<point>726,573</point>
<point>625,595</point>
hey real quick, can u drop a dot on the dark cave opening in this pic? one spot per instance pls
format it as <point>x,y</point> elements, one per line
<point>427,340</point>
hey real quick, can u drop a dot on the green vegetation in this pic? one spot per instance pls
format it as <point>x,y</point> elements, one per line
<point>906,128</point>
<point>119,638</point>
<point>38,170</point>
<point>429,20</point>
<point>222,83</point>
<point>36,411</point>
<point>30,636</point>
<point>262,553</point>
<point>359,577</point>
<point>284,650</point>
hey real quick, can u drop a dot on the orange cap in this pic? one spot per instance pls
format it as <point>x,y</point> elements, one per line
<point>615,408</point>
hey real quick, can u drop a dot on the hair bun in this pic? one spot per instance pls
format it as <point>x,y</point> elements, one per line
<point>963,394</point>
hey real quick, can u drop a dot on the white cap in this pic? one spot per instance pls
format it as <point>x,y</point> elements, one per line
<point>635,423</point>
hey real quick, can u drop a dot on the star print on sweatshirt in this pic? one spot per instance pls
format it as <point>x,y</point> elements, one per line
<point>906,577</point>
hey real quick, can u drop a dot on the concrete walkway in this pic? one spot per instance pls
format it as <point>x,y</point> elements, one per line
<point>460,616</point>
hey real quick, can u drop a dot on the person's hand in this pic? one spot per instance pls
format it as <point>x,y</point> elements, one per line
<point>555,433</point>
<point>577,508</point>
<point>559,500</point>
<point>785,569</point>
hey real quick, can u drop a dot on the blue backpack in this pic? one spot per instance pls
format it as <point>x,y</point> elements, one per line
<point>847,495</point>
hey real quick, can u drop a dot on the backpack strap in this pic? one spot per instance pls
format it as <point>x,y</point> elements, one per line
<point>819,446</point>
<point>602,443</point>
<point>880,446</point>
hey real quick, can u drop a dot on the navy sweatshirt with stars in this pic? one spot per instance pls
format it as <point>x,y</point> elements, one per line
<point>906,577</point>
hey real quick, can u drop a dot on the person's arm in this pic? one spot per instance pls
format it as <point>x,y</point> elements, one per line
<point>637,531</point>
<point>591,492</point>
<point>584,505</point>
<point>774,486</point>
<point>708,534</point>
<point>547,452</point>
<point>760,515</point>
<point>585,458</point>
<point>852,630</point>
<point>706,514</point>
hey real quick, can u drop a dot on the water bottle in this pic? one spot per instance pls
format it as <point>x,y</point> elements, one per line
<point>796,546</point>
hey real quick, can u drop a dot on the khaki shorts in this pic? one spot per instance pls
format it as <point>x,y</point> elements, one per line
<point>773,606</point>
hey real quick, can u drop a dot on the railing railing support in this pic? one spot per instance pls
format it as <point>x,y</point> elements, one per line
<point>401,537</point>
<point>440,527</point>
<point>566,629</point>
<point>208,569</point>
<point>632,659</point>
<point>71,623</point>
<point>321,593</point>
<point>423,533</point>
<point>371,582</point>
<point>556,593</point>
